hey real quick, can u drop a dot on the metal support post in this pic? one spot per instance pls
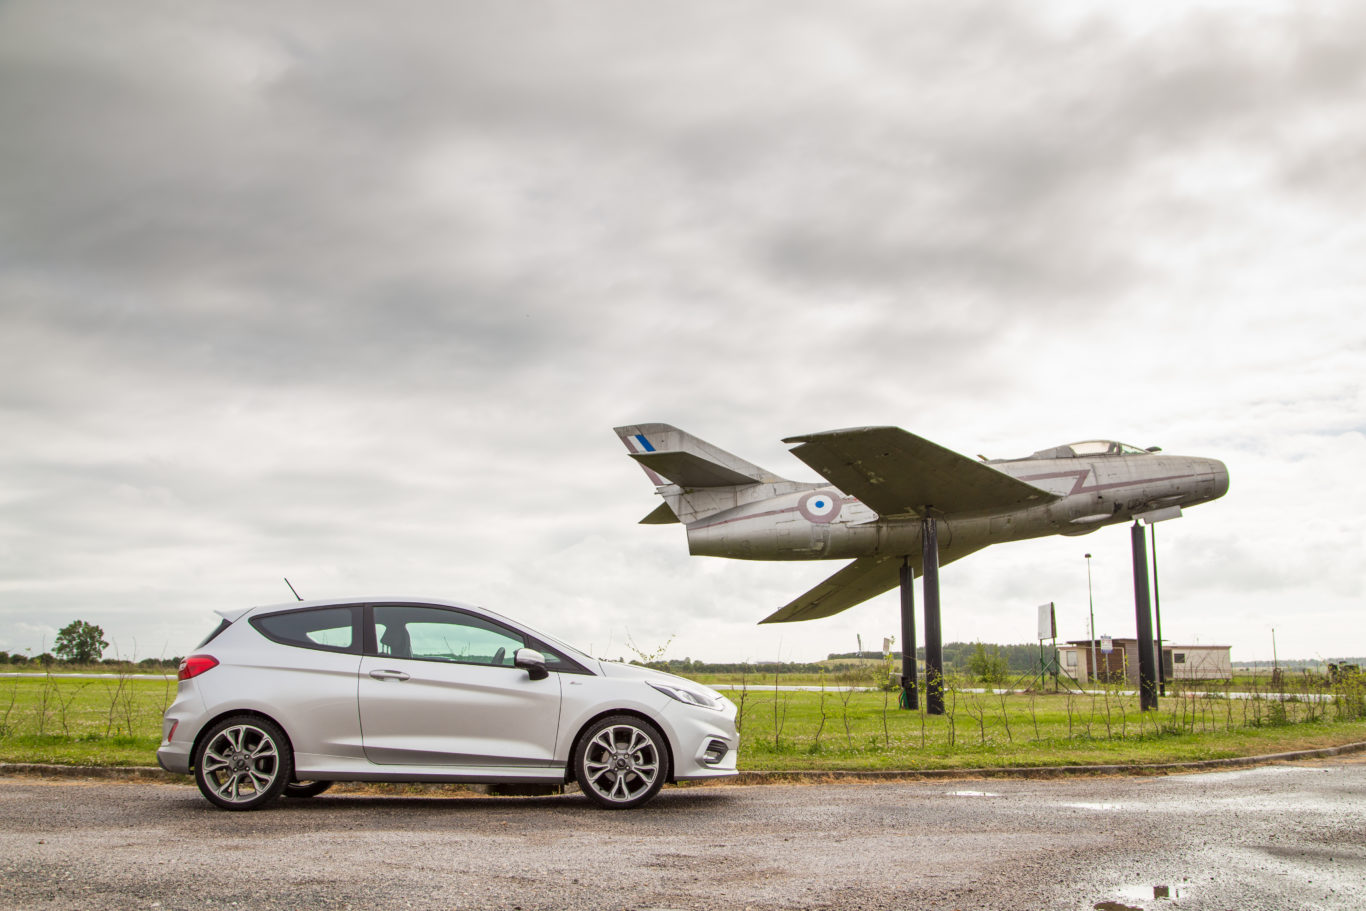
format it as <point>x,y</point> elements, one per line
<point>910,699</point>
<point>934,637</point>
<point>1157,615</point>
<point>1091,603</point>
<point>1147,678</point>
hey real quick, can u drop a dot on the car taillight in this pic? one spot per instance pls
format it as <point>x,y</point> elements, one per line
<point>195,665</point>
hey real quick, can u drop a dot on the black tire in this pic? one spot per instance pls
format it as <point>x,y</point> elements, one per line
<point>621,762</point>
<point>243,762</point>
<point>306,788</point>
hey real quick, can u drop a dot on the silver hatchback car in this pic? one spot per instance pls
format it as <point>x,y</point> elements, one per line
<point>285,700</point>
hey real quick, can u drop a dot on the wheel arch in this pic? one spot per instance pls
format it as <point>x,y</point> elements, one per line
<point>607,713</point>
<point>232,713</point>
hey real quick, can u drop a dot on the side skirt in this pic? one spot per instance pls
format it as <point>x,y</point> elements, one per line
<point>330,768</point>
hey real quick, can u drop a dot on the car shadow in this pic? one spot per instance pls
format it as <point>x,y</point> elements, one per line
<point>668,801</point>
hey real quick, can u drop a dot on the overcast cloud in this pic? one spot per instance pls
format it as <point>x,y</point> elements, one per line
<point>355,295</point>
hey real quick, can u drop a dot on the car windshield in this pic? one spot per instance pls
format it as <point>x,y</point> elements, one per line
<point>570,651</point>
<point>577,654</point>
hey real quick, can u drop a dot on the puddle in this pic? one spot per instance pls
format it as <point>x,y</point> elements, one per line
<point>1156,896</point>
<point>973,794</point>
<point>1094,806</point>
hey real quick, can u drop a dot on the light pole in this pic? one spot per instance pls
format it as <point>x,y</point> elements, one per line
<point>1090,600</point>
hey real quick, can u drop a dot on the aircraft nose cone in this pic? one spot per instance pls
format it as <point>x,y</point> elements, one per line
<point>1220,471</point>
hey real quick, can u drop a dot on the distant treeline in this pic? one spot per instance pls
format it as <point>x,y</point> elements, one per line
<point>685,666</point>
<point>1019,659</point>
<point>47,659</point>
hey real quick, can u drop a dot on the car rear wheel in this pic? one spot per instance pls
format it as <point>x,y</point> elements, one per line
<point>621,762</point>
<point>243,762</point>
<point>306,788</point>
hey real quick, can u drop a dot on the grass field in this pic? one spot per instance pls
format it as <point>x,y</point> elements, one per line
<point>839,729</point>
<point>68,720</point>
<point>117,721</point>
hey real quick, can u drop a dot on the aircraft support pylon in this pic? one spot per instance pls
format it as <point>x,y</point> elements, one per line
<point>1147,676</point>
<point>910,699</point>
<point>934,637</point>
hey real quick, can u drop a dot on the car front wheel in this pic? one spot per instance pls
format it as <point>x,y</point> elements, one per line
<point>243,762</point>
<point>621,762</point>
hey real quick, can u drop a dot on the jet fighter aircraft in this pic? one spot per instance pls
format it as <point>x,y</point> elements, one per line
<point>883,482</point>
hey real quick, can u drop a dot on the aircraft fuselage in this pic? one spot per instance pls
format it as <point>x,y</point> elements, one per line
<point>797,521</point>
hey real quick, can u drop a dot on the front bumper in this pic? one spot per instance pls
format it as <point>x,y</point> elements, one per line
<point>696,732</point>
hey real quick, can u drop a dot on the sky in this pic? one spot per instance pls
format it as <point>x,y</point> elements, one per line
<point>354,294</point>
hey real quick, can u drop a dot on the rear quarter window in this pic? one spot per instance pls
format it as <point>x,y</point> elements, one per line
<point>214,635</point>
<point>331,629</point>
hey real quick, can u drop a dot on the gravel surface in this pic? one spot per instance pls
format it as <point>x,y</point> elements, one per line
<point>1283,836</point>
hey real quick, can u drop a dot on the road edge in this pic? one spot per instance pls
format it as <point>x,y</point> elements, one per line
<point>1044,772</point>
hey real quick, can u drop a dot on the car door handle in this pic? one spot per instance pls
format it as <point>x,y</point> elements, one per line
<point>389,675</point>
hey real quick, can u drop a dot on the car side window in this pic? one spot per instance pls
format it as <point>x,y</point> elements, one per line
<point>434,634</point>
<point>328,628</point>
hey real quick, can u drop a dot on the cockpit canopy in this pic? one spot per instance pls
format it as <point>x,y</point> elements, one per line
<point>1090,449</point>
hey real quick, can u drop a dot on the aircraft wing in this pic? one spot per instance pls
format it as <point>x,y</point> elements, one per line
<point>866,577</point>
<point>900,474</point>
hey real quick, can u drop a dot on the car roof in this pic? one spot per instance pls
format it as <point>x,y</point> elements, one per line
<point>232,615</point>
<point>364,599</point>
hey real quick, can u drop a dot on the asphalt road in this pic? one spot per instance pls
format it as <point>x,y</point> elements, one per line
<point>1284,836</point>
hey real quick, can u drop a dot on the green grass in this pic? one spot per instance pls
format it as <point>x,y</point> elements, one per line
<point>117,722</point>
<point>70,721</point>
<point>784,731</point>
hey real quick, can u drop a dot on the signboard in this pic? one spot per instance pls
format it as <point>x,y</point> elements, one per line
<point>1048,626</point>
<point>1107,645</point>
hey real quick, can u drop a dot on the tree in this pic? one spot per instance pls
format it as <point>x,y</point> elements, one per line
<point>989,667</point>
<point>80,642</point>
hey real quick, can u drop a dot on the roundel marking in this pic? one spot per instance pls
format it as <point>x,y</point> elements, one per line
<point>821,507</point>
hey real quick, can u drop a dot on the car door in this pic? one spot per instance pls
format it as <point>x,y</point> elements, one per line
<point>438,688</point>
<point>305,676</point>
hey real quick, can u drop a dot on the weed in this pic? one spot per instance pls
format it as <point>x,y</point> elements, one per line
<point>9,710</point>
<point>778,721</point>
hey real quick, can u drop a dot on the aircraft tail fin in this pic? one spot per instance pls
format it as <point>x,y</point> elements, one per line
<point>695,478</point>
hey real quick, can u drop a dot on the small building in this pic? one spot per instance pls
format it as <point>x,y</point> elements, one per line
<point>1179,662</point>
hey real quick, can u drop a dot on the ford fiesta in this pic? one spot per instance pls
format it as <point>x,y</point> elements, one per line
<point>285,700</point>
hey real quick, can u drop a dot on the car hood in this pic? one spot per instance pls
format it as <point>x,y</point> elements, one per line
<point>636,672</point>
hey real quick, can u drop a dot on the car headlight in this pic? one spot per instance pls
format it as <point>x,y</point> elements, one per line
<point>691,697</point>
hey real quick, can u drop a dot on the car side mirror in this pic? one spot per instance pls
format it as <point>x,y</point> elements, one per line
<point>531,661</point>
